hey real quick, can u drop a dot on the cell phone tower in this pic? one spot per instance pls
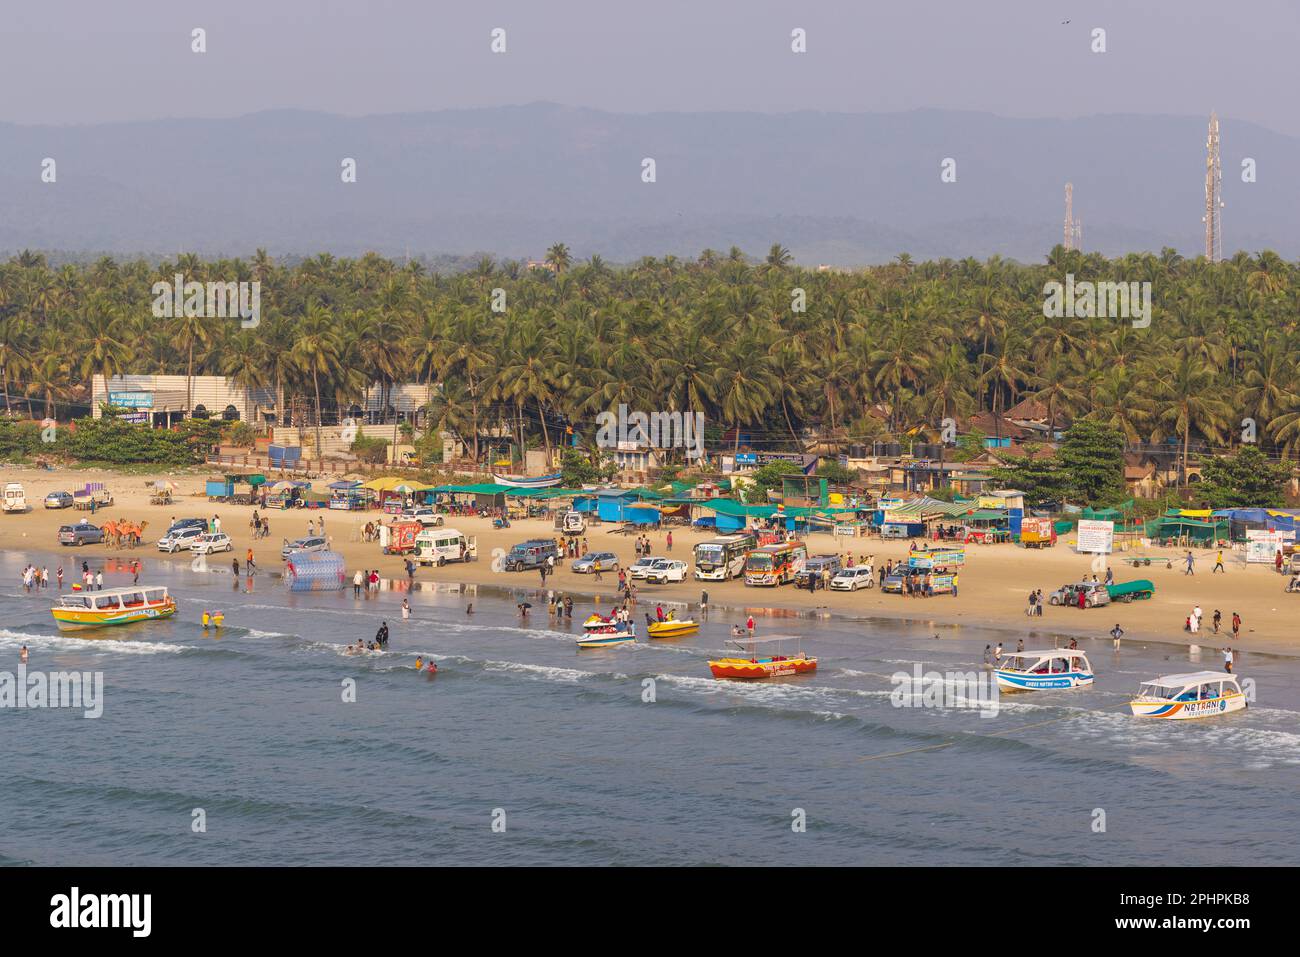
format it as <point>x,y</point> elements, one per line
<point>1073,227</point>
<point>1213,194</point>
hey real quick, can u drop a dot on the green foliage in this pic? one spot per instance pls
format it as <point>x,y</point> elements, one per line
<point>1088,470</point>
<point>837,474</point>
<point>122,443</point>
<point>768,477</point>
<point>1092,456</point>
<point>239,433</point>
<point>577,470</point>
<point>1042,480</point>
<point>372,449</point>
<point>969,446</point>
<point>19,439</point>
<point>1243,480</point>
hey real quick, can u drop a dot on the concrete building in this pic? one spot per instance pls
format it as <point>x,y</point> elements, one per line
<point>160,400</point>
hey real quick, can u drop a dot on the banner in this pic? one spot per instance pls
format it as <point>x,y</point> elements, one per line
<point>1095,536</point>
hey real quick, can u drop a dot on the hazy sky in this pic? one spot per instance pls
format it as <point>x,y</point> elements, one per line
<point>87,61</point>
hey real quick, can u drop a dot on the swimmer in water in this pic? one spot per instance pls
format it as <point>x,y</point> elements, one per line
<point>406,608</point>
<point>419,663</point>
<point>218,618</point>
<point>469,609</point>
<point>207,619</point>
<point>431,668</point>
<point>22,655</point>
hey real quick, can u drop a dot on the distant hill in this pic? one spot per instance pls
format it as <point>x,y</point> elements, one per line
<point>837,188</point>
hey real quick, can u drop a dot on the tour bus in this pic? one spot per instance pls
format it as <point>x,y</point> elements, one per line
<point>437,546</point>
<point>723,558</point>
<point>775,564</point>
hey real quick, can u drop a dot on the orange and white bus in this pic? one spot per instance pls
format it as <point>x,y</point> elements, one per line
<point>775,564</point>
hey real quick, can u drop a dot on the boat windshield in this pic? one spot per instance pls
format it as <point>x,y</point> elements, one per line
<point>1156,691</point>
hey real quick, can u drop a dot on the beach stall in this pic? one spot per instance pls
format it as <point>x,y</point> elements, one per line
<point>286,494</point>
<point>349,496</point>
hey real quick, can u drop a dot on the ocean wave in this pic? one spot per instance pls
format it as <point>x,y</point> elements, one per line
<point>35,640</point>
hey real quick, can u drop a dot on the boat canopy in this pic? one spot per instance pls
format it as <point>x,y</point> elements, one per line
<point>1191,678</point>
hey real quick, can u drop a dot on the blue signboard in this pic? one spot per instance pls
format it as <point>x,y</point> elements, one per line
<point>131,400</point>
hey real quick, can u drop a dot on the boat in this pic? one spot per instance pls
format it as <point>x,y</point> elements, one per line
<point>607,634</point>
<point>113,606</point>
<point>523,481</point>
<point>1038,670</point>
<point>673,628</point>
<point>1200,694</point>
<point>755,665</point>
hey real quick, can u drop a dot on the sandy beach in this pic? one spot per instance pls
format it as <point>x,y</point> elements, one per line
<point>994,584</point>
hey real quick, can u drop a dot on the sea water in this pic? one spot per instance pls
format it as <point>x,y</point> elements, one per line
<point>265,743</point>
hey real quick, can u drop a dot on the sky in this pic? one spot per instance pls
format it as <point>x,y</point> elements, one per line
<point>88,61</point>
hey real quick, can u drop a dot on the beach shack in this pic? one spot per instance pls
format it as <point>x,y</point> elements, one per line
<point>349,496</point>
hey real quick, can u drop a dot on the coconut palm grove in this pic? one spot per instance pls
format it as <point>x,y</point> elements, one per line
<point>787,355</point>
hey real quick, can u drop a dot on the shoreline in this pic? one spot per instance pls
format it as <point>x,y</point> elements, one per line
<point>994,582</point>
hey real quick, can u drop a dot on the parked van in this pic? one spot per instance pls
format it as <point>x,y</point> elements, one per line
<point>15,499</point>
<point>530,554</point>
<point>437,546</point>
<point>571,523</point>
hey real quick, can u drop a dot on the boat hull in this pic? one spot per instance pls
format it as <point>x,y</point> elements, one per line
<point>1188,710</point>
<point>602,641</point>
<point>1023,681</point>
<point>519,481</point>
<point>747,669</point>
<point>76,619</point>
<point>672,629</point>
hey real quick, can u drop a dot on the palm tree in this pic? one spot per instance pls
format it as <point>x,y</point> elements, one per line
<point>1188,400</point>
<point>316,353</point>
<point>559,258</point>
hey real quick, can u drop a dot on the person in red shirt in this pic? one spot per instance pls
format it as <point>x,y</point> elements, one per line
<point>749,624</point>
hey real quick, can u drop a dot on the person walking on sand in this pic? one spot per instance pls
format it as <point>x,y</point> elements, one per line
<point>1218,563</point>
<point>1191,564</point>
<point>1117,633</point>
<point>595,567</point>
<point>670,540</point>
<point>1236,625</point>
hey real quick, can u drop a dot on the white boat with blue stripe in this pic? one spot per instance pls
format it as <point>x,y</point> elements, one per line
<point>1043,670</point>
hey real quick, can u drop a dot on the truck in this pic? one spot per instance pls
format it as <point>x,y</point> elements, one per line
<point>1037,533</point>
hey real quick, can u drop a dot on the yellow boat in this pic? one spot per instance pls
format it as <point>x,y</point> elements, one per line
<point>672,628</point>
<point>113,606</point>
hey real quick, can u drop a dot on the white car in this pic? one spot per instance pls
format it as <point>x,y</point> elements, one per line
<point>642,566</point>
<point>425,515</point>
<point>211,542</point>
<point>178,538</point>
<point>668,571</point>
<point>851,579</point>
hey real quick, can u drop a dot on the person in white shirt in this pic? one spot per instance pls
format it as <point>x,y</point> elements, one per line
<point>357,580</point>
